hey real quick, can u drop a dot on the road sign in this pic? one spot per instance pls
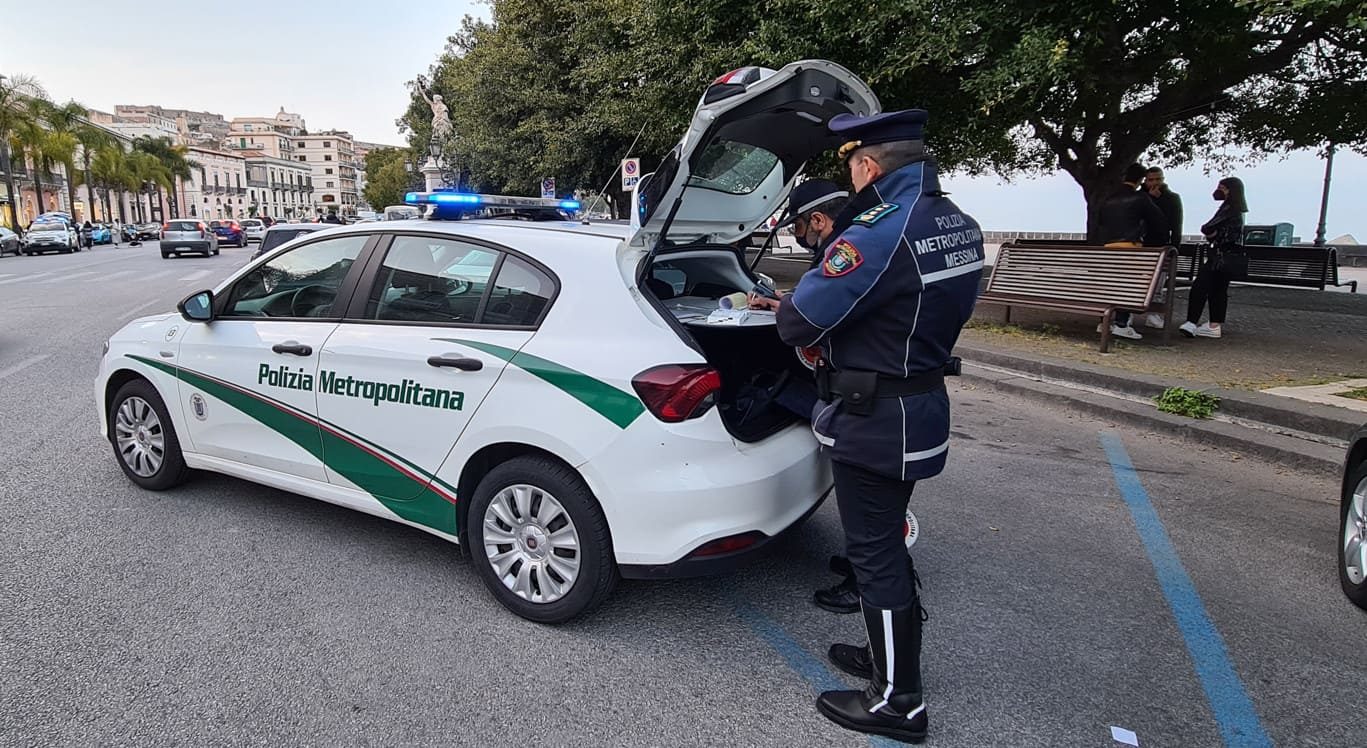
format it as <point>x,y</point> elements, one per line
<point>548,187</point>
<point>631,173</point>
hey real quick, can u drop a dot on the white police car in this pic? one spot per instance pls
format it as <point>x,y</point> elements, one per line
<point>549,394</point>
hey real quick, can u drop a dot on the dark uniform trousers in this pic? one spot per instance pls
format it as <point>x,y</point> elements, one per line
<point>873,511</point>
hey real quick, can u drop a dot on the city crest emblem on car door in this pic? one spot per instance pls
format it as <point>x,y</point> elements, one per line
<point>199,407</point>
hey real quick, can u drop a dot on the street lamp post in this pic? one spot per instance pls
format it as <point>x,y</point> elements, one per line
<point>1324,196</point>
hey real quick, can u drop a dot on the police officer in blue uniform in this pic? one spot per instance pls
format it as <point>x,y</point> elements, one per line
<point>886,306</point>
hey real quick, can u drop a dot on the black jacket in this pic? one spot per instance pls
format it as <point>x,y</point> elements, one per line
<point>1171,204</point>
<point>1128,215</point>
<point>1226,227</point>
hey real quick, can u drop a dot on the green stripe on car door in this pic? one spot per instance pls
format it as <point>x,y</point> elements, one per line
<point>359,461</point>
<point>622,408</point>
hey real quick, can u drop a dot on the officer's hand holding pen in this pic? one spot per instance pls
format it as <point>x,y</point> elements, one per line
<point>765,302</point>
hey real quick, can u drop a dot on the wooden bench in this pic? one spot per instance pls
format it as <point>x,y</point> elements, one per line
<point>1307,267</point>
<point>1087,280</point>
<point>1188,255</point>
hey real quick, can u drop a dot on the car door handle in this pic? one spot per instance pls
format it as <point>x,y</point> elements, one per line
<point>289,346</point>
<point>464,364</point>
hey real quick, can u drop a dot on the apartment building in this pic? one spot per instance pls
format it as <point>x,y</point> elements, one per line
<point>269,135</point>
<point>217,187</point>
<point>331,155</point>
<point>277,187</point>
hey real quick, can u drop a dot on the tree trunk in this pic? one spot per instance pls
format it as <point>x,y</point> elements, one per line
<point>71,193</point>
<point>38,189</point>
<point>123,198</point>
<point>13,190</point>
<point>89,190</point>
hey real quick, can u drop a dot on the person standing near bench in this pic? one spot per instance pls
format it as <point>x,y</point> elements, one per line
<point>1125,218</point>
<point>1171,204</point>
<point>1225,232</point>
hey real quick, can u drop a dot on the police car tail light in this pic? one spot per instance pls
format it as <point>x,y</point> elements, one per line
<point>678,392</point>
<point>728,544</point>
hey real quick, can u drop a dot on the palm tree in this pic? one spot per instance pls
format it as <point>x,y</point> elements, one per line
<point>15,94</point>
<point>42,147</point>
<point>172,157</point>
<point>92,139</point>
<point>112,170</point>
<point>69,119</point>
<point>151,175</point>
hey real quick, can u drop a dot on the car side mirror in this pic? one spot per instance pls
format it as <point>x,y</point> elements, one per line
<point>197,307</point>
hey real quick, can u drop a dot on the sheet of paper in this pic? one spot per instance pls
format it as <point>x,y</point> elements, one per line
<point>1121,735</point>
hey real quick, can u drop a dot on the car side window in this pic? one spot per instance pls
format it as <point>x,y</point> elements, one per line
<point>302,282</point>
<point>520,295</point>
<point>429,280</point>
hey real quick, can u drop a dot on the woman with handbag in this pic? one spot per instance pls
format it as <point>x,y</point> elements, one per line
<point>1224,261</point>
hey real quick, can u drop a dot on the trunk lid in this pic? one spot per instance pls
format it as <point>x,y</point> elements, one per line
<point>751,134</point>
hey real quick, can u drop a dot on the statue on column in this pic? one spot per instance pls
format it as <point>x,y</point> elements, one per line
<point>442,129</point>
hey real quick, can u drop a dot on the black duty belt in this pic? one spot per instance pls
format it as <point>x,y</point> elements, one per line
<point>859,390</point>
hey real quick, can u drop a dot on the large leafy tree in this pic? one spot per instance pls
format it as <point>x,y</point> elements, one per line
<point>111,171</point>
<point>387,177</point>
<point>68,120</point>
<point>174,162</point>
<point>1087,87</point>
<point>34,138</point>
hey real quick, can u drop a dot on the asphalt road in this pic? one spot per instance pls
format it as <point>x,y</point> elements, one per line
<point>229,613</point>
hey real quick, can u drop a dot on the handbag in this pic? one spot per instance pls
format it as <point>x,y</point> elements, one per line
<point>1231,263</point>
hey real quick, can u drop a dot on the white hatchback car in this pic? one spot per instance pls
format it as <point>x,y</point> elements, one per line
<point>551,395</point>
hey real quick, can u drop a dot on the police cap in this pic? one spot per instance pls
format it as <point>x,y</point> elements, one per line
<point>888,127</point>
<point>810,194</point>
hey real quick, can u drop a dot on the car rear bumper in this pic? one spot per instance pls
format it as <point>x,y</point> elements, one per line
<point>670,490</point>
<point>185,245</point>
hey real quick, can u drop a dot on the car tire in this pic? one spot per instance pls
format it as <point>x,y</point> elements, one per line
<point>144,439</point>
<point>1352,518</point>
<point>556,499</point>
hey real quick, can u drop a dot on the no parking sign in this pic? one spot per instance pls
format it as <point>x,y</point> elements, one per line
<point>631,173</point>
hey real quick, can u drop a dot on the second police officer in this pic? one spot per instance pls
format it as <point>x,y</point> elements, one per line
<point>886,306</point>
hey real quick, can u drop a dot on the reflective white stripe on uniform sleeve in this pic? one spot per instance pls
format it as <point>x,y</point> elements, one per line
<point>940,275</point>
<point>825,441</point>
<point>925,454</point>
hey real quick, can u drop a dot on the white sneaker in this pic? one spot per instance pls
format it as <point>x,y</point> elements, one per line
<point>1128,331</point>
<point>1188,329</point>
<point>1206,331</point>
<point>1155,321</point>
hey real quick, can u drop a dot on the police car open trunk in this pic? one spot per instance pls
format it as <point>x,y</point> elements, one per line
<point>753,132</point>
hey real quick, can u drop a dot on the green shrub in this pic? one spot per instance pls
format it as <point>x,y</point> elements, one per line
<point>1190,403</point>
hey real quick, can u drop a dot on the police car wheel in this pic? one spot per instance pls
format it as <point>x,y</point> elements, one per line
<point>539,540</point>
<point>143,438</point>
<point>1353,537</point>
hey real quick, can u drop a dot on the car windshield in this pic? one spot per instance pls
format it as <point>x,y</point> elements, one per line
<point>47,227</point>
<point>184,226</point>
<point>249,223</point>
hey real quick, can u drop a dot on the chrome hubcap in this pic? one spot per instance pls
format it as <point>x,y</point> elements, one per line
<point>531,543</point>
<point>139,437</point>
<point>1355,535</point>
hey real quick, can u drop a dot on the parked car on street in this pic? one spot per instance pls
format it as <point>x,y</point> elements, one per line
<point>101,234</point>
<point>188,235</point>
<point>51,235</point>
<point>229,232</point>
<point>148,230</point>
<point>1353,522</point>
<point>254,227</point>
<point>10,243</point>
<point>563,380</point>
<point>283,232</point>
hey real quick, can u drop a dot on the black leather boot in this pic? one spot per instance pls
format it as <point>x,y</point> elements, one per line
<point>891,706</point>
<point>842,597</point>
<point>853,660</point>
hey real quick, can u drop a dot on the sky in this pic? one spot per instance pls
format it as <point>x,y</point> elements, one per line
<point>343,65</point>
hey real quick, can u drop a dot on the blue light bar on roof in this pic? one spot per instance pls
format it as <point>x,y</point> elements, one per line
<point>489,201</point>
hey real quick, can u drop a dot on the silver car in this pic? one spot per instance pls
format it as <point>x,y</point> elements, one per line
<point>254,228</point>
<point>188,235</point>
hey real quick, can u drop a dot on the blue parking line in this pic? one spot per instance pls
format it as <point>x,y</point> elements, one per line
<point>1234,712</point>
<point>812,670</point>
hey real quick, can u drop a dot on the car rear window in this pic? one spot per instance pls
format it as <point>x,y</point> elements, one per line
<point>184,226</point>
<point>276,238</point>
